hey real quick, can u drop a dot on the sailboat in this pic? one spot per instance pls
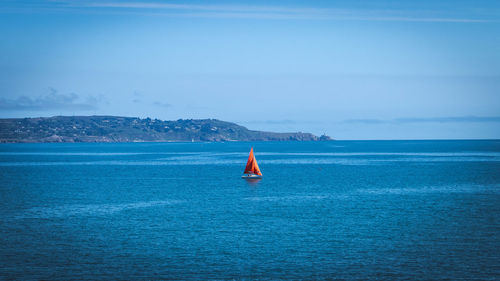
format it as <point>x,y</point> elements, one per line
<point>252,170</point>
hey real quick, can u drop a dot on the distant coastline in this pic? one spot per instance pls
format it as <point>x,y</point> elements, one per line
<point>131,129</point>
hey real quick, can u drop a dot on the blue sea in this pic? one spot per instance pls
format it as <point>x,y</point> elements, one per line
<point>349,210</point>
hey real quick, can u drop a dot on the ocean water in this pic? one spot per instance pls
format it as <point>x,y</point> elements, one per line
<point>350,210</point>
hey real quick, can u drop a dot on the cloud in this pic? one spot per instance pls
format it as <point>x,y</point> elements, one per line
<point>162,104</point>
<point>195,7</point>
<point>366,121</point>
<point>273,12</point>
<point>273,122</point>
<point>52,100</point>
<point>459,119</point>
<point>454,119</point>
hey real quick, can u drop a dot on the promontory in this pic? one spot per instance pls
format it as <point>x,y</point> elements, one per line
<point>131,129</point>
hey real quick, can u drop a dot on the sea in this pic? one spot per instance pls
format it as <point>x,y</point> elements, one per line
<point>334,210</point>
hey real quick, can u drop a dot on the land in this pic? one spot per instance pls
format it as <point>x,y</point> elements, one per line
<point>130,129</point>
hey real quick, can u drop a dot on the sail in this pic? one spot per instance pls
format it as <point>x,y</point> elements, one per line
<point>252,167</point>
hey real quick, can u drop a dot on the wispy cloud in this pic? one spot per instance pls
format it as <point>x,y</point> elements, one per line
<point>193,7</point>
<point>52,100</point>
<point>366,121</point>
<point>280,122</point>
<point>137,97</point>
<point>162,104</point>
<point>454,119</point>
<point>459,119</point>
<point>268,11</point>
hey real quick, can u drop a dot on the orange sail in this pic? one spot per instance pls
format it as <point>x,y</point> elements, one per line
<point>252,167</point>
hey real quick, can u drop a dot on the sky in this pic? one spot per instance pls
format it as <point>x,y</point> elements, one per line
<point>351,69</point>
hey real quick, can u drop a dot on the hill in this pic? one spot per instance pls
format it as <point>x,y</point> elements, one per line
<point>130,129</point>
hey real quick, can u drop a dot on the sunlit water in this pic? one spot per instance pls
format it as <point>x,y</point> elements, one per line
<point>324,210</point>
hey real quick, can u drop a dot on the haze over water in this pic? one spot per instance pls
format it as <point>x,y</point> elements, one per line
<point>324,210</point>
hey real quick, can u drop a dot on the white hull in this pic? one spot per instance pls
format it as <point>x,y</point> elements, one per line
<point>251,177</point>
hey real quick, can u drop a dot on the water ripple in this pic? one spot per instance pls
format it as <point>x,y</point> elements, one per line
<point>89,210</point>
<point>287,198</point>
<point>433,189</point>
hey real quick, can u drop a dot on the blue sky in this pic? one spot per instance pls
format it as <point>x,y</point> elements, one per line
<point>351,69</point>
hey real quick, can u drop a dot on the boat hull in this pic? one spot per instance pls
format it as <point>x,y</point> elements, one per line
<point>249,177</point>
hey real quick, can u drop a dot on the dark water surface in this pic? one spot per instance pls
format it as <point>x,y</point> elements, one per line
<point>324,210</point>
